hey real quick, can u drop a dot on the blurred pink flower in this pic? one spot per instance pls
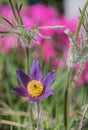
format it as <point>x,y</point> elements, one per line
<point>86,76</point>
<point>43,15</point>
<point>5,11</point>
<point>80,80</point>
<point>55,48</point>
<point>83,78</point>
<point>47,51</point>
<point>39,12</point>
<point>7,43</point>
<point>57,62</point>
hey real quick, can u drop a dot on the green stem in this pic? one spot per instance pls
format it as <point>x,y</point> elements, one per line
<point>69,92</point>
<point>27,71</point>
<point>27,60</point>
<point>38,116</point>
<point>81,18</point>
<point>66,103</point>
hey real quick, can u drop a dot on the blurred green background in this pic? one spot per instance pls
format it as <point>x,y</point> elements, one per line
<point>16,109</point>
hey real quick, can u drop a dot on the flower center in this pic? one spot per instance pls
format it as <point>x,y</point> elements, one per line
<point>35,88</point>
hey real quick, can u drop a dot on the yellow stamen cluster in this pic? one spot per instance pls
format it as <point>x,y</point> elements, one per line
<point>35,88</point>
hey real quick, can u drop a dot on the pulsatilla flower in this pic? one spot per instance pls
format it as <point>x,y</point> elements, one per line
<point>33,86</point>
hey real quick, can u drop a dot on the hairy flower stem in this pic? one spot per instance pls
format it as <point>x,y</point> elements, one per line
<point>27,72</point>
<point>38,116</point>
<point>66,103</point>
<point>27,60</point>
<point>69,88</point>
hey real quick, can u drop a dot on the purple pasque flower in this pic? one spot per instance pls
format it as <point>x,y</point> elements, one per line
<point>33,86</point>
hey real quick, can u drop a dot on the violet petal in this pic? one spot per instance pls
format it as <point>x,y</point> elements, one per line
<point>49,78</point>
<point>46,94</point>
<point>35,71</point>
<point>23,78</point>
<point>21,91</point>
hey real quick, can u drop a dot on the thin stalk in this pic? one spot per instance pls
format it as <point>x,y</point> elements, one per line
<point>27,72</point>
<point>68,93</point>
<point>38,115</point>
<point>27,60</point>
<point>71,87</point>
<point>66,104</point>
<point>18,11</point>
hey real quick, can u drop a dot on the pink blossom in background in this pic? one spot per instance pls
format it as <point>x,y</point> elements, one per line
<point>43,15</point>
<point>86,76</point>
<point>54,49</point>
<point>47,51</point>
<point>57,62</point>
<point>80,80</point>
<point>7,13</point>
<point>83,78</point>
<point>7,43</point>
<point>39,12</point>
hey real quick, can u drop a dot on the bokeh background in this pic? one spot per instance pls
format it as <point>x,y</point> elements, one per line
<point>52,54</point>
